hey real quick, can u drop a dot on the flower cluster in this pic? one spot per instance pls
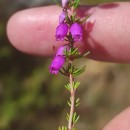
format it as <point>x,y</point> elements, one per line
<point>67,28</point>
<point>63,29</point>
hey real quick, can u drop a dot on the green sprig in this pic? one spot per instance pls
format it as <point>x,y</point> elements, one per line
<point>67,117</point>
<point>67,86</point>
<point>76,85</point>
<point>71,69</point>
<point>76,3</point>
<point>75,118</point>
<point>62,128</point>
<point>77,102</point>
<point>77,72</point>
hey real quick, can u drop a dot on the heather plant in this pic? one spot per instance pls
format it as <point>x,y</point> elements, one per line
<point>70,29</point>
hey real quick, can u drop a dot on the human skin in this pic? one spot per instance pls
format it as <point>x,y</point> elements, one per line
<point>106,36</point>
<point>33,31</point>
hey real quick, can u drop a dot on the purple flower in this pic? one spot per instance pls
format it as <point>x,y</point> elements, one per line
<point>64,3</point>
<point>61,31</point>
<point>60,51</point>
<point>76,31</point>
<point>59,60</point>
<point>56,64</point>
<point>62,17</point>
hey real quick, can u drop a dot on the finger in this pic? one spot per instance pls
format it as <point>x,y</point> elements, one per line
<point>120,122</point>
<point>33,31</point>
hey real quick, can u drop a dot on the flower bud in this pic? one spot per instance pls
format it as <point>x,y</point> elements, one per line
<point>56,64</point>
<point>64,3</point>
<point>76,31</point>
<point>61,50</point>
<point>61,31</point>
<point>62,17</point>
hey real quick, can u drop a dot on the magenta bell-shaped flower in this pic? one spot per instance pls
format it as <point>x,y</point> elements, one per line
<point>59,60</point>
<point>56,64</point>
<point>64,3</point>
<point>62,17</point>
<point>61,31</point>
<point>76,31</point>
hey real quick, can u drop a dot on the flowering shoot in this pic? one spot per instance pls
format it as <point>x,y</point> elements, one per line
<point>69,30</point>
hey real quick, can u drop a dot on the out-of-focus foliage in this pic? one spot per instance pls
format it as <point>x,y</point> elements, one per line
<point>33,99</point>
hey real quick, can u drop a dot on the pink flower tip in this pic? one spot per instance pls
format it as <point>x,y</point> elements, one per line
<point>62,17</point>
<point>64,3</point>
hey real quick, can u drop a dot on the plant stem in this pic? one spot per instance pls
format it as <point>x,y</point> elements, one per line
<point>72,99</point>
<point>72,90</point>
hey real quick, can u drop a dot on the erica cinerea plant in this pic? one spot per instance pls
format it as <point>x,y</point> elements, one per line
<point>70,30</point>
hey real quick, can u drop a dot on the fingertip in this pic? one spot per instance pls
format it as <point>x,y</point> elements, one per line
<point>14,25</point>
<point>33,30</point>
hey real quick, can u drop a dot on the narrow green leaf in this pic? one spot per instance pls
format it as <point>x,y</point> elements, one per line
<point>69,103</point>
<point>79,71</point>
<point>76,119</point>
<point>76,85</point>
<point>86,54</point>
<point>73,17</point>
<point>62,128</point>
<point>67,86</point>
<point>67,19</point>
<point>65,70</point>
<point>76,3</point>
<point>77,100</point>
<point>71,68</point>
<point>74,51</point>
<point>63,73</point>
<point>67,117</point>
<point>77,104</point>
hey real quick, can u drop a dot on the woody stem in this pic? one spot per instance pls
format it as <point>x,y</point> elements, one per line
<point>72,101</point>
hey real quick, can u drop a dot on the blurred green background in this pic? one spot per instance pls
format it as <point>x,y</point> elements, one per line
<point>33,99</point>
